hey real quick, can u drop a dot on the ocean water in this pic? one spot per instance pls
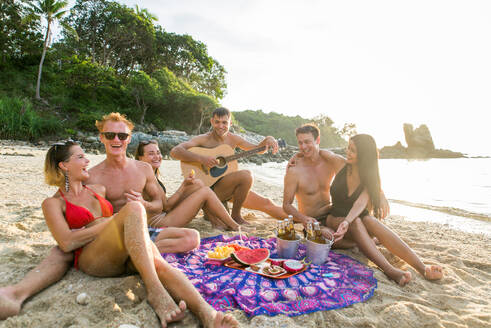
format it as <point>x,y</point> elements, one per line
<point>454,192</point>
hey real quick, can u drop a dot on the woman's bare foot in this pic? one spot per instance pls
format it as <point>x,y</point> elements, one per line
<point>219,226</point>
<point>402,278</point>
<point>9,304</point>
<point>433,272</point>
<point>165,308</point>
<point>405,278</point>
<point>214,319</point>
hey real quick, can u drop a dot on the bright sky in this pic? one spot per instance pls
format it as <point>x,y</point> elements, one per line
<point>377,64</point>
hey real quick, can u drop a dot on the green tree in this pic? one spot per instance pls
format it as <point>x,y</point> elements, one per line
<point>51,10</point>
<point>188,59</point>
<point>19,35</point>
<point>348,130</point>
<point>145,14</point>
<point>111,34</point>
<point>145,90</point>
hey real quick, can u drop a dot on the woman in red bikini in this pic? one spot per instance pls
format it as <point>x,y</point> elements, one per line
<point>182,207</point>
<point>81,220</point>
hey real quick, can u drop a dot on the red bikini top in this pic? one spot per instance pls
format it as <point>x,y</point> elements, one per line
<point>78,216</point>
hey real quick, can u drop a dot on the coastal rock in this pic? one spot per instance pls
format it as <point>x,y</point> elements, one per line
<point>420,146</point>
<point>396,151</point>
<point>419,141</point>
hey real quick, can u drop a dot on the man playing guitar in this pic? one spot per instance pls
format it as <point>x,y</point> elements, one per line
<point>235,185</point>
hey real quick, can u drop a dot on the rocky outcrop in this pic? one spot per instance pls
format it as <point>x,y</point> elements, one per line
<point>419,141</point>
<point>419,145</point>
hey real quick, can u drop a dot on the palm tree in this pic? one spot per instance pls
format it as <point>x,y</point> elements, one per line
<point>51,10</point>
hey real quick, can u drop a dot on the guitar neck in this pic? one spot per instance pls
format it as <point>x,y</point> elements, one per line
<point>245,154</point>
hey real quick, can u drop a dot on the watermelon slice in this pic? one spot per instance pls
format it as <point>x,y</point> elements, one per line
<point>250,256</point>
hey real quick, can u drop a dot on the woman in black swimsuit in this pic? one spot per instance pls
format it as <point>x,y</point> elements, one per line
<point>355,194</point>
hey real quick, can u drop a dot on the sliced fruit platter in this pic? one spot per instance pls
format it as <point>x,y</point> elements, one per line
<point>222,253</point>
<point>258,261</point>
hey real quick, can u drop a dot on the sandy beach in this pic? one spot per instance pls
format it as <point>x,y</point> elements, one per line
<point>461,299</point>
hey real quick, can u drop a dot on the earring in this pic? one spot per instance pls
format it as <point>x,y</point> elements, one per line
<point>67,184</point>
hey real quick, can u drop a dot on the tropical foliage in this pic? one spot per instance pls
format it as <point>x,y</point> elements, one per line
<point>282,126</point>
<point>110,57</point>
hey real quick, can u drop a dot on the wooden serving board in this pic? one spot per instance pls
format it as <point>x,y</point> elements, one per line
<point>234,265</point>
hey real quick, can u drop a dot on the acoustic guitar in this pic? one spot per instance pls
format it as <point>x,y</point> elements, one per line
<point>227,162</point>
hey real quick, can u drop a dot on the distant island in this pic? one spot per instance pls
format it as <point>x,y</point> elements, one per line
<point>419,146</point>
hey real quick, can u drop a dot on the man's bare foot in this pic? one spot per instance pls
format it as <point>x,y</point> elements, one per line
<point>9,305</point>
<point>165,308</point>
<point>240,220</point>
<point>433,272</point>
<point>214,319</point>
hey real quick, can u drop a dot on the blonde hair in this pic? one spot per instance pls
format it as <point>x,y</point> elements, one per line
<point>60,152</point>
<point>115,117</point>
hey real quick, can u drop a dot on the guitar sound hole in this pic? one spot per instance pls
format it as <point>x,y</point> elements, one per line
<point>221,161</point>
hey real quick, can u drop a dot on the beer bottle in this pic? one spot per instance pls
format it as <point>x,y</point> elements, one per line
<point>318,238</point>
<point>286,229</point>
<point>310,232</point>
<point>281,229</point>
<point>293,235</point>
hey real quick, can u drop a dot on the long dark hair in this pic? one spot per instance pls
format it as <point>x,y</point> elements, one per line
<point>367,155</point>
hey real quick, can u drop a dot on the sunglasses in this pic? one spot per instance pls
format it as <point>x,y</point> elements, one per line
<point>65,143</point>
<point>111,135</point>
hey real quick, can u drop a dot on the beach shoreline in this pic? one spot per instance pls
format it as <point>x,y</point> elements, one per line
<point>461,299</point>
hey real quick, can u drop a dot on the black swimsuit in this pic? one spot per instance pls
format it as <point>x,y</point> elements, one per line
<point>161,184</point>
<point>341,202</point>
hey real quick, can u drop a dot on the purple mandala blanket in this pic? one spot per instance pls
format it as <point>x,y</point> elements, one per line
<point>340,282</point>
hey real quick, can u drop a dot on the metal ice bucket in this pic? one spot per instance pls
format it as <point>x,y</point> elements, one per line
<point>287,249</point>
<point>318,253</point>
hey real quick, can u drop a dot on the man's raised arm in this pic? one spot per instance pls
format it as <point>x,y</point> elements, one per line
<point>289,190</point>
<point>268,141</point>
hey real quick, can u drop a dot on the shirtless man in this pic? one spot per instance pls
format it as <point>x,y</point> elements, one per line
<point>235,185</point>
<point>125,180</point>
<point>309,181</point>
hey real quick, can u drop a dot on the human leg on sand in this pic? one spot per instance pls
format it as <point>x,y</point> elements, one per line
<point>181,288</point>
<point>204,198</point>
<point>254,201</point>
<point>177,240</point>
<point>359,234</point>
<point>50,270</point>
<point>235,185</point>
<point>126,237</point>
<point>399,248</point>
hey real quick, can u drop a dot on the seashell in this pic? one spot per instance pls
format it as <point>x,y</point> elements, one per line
<point>83,299</point>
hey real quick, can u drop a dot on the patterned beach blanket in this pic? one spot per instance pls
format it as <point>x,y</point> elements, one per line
<point>338,283</point>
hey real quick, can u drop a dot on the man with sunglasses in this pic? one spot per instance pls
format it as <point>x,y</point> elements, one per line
<point>125,179</point>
